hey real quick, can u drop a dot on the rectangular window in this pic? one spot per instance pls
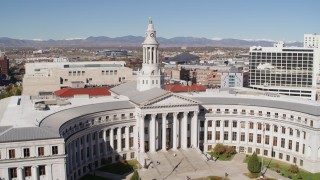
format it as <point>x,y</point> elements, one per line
<point>290,144</point>
<point>209,135</point>
<point>303,148</point>
<point>26,152</point>
<point>275,141</point>
<point>234,124</point>
<point>13,172</point>
<point>243,124</point>
<point>259,126</point>
<point>267,139</point>
<point>290,131</point>
<point>209,147</point>
<point>226,123</point>
<point>225,135</point>
<point>132,155</point>
<point>234,136</point>
<point>280,155</point>
<point>297,146</point>
<point>12,153</point>
<point>42,170</point>
<point>217,135</point>
<point>259,138</point>
<point>257,150</point>
<point>275,128</point>
<point>40,151</point>
<point>131,142</point>
<point>251,125</point>
<point>282,142</point>
<point>243,136</point>
<point>288,158</point>
<point>283,130</point>
<point>265,152</point>
<point>218,123</point>
<point>27,171</point>
<point>209,123</point>
<point>267,127</point>
<point>250,137</point>
<point>54,150</point>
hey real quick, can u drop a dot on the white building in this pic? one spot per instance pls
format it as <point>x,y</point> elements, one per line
<point>49,76</point>
<point>231,79</point>
<point>311,40</point>
<point>286,70</point>
<point>72,137</point>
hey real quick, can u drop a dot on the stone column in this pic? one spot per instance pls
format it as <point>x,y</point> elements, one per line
<point>194,131</point>
<point>127,138</point>
<point>35,172</point>
<point>119,139</point>
<point>104,135</point>
<point>164,131</point>
<point>152,137</point>
<point>141,132</point>
<point>20,173</point>
<point>174,131</point>
<point>49,171</point>
<point>184,131</point>
<point>111,139</point>
<point>214,132</point>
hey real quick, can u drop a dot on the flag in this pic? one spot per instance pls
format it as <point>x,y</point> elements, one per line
<point>138,142</point>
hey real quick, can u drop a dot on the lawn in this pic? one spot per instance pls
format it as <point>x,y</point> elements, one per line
<point>91,177</point>
<point>284,169</point>
<point>121,168</point>
<point>222,157</point>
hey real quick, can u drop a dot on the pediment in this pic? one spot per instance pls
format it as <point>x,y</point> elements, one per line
<point>171,100</point>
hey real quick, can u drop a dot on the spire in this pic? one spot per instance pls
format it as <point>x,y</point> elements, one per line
<point>150,20</point>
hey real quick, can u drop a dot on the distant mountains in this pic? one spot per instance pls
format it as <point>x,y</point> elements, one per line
<point>135,41</point>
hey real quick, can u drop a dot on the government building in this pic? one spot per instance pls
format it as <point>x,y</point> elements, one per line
<point>66,138</point>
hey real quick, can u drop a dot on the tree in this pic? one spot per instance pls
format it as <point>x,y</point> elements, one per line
<point>219,149</point>
<point>254,166</point>
<point>135,176</point>
<point>294,169</point>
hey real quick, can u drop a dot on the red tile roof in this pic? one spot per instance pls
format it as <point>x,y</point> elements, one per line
<point>70,92</point>
<point>179,88</point>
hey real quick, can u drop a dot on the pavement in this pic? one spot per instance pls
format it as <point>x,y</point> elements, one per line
<point>190,164</point>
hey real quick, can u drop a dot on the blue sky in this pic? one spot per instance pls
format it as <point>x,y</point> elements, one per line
<point>244,19</point>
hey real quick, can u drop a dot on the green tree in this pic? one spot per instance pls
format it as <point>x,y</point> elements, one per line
<point>135,176</point>
<point>254,166</point>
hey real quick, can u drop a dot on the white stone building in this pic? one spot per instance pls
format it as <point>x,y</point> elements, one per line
<point>69,139</point>
<point>311,40</point>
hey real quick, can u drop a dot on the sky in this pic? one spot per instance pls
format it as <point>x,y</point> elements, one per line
<point>285,20</point>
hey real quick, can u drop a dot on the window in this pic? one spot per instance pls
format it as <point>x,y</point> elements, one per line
<point>12,153</point>
<point>297,146</point>
<point>251,112</point>
<point>276,115</point>
<point>282,142</point>
<point>284,116</point>
<point>258,151</point>
<point>251,125</point>
<point>209,135</point>
<point>243,136</point>
<point>226,123</point>
<point>283,130</point>
<point>209,147</point>
<point>259,138</point>
<point>268,114</point>
<point>234,124</point>
<point>131,129</point>
<point>26,152</point>
<point>234,136</point>
<point>217,135</point>
<point>226,111</point>
<point>288,158</point>
<point>209,123</point>
<point>13,172</point>
<point>243,124</point>
<point>131,142</point>
<point>243,111</point>
<point>250,137</point>
<point>225,135</point>
<point>218,123</point>
<point>27,171</point>
<point>273,154</point>
<point>40,151</point>
<point>290,144</point>
<point>267,139</point>
<point>290,131</point>
<point>298,133</point>
<point>275,128</point>
<point>132,155</point>
<point>260,113</point>
<point>265,152</point>
<point>275,141</point>
<point>259,126</point>
<point>304,135</point>
<point>54,150</point>
<point>280,155</point>
<point>249,150</point>
<point>267,127</point>
<point>311,123</point>
<point>303,148</point>
<point>42,170</point>
<point>100,134</point>
<point>235,111</point>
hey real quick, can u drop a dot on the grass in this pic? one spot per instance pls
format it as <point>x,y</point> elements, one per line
<point>91,177</point>
<point>284,169</point>
<point>211,178</point>
<point>121,168</point>
<point>222,157</point>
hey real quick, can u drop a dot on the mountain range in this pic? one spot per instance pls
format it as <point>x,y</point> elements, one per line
<point>135,41</point>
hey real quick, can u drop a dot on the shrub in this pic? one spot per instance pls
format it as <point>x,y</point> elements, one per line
<point>294,169</point>
<point>254,166</point>
<point>135,176</point>
<point>230,150</point>
<point>219,149</point>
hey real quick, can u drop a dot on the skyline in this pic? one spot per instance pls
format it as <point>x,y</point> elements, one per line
<point>273,20</point>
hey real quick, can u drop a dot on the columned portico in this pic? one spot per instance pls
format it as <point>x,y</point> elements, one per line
<point>164,131</point>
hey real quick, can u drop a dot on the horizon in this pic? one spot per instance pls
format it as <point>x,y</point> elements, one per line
<point>59,20</point>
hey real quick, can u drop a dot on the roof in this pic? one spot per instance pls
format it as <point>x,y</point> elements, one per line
<point>259,102</point>
<point>53,122</point>
<point>184,57</point>
<point>70,92</point>
<point>179,88</point>
<point>26,133</point>
<point>129,89</point>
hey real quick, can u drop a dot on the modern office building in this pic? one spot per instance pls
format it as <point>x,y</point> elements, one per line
<point>311,40</point>
<point>231,79</point>
<point>71,137</point>
<point>52,76</point>
<point>286,70</point>
<point>4,64</point>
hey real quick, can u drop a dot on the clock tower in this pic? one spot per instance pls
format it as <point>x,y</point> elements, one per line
<point>150,75</point>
